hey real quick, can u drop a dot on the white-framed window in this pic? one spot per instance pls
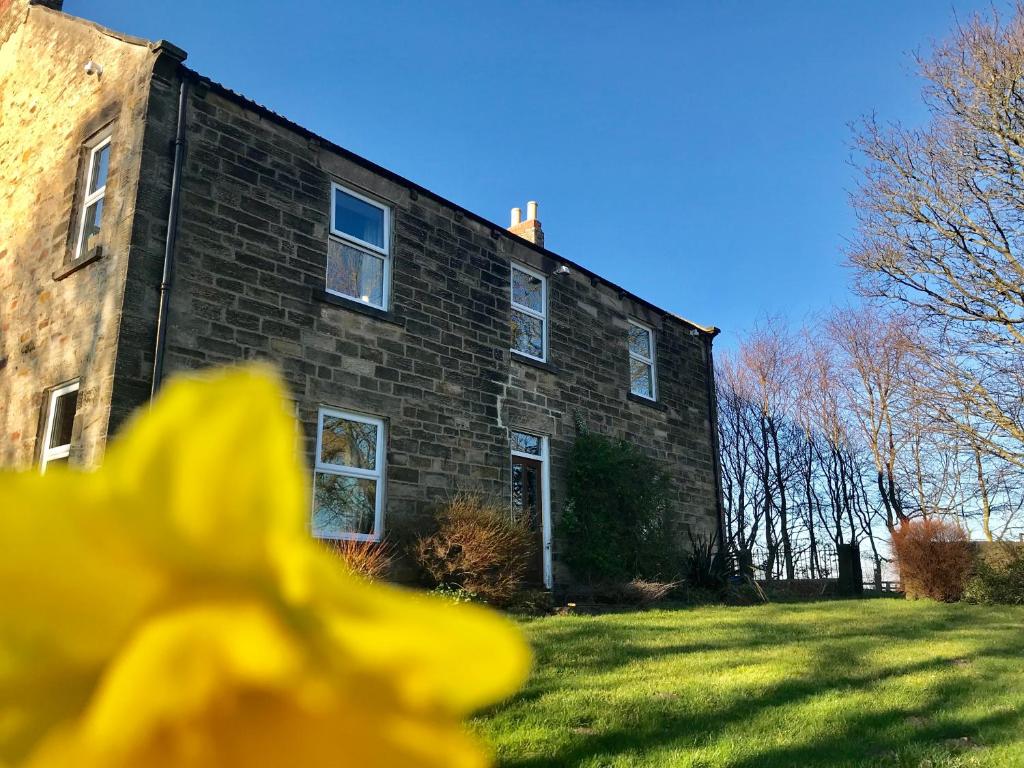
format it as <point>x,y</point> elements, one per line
<point>643,380</point>
<point>91,217</point>
<point>358,249</point>
<point>60,420</point>
<point>529,313</point>
<point>348,476</point>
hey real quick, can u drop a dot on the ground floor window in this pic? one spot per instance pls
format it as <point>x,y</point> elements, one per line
<point>348,476</point>
<point>61,404</point>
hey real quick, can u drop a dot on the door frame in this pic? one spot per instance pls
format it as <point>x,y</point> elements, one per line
<point>545,480</point>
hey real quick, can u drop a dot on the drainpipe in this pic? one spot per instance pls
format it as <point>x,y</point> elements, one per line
<point>713,421</point>
<point>172,231</point>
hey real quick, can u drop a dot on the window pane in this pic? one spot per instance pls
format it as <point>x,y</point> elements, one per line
<point>58,460</point>
<point>358,219</point>
<point>526,503</point>
<point>527,290</point>
<point>93,217</point>
<point>517,491</point>
<point>640,378</point>
<point>348,443</point>
<point>527,334</point>
<point>525,443</point>
<point>640,341</point>
<point>100,164</point>
<point>355,273</point>
<point>344,505</point>
<point>63,419</point>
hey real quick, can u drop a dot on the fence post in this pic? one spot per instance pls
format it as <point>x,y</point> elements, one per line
<point>745,563</point>
<point>851,579</point>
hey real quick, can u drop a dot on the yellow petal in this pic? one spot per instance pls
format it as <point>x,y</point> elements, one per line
<point>229,685</point>
<point>211,475</point>
<point>419,641</point>
<point>72,586</point>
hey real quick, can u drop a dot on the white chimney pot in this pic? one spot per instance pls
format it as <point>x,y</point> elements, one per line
<point>531,210</point>
<point>517,216</point>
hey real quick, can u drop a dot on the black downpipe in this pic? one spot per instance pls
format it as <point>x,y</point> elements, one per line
<point>715,449</point>
<point>172,233</point>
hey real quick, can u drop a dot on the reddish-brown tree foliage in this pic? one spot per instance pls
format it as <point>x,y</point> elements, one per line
<point>934,558</point>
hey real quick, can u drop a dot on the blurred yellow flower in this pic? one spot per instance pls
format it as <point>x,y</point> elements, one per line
<point>171,609</point>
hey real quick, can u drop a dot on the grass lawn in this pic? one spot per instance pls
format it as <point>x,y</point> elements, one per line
<point>868,682</point>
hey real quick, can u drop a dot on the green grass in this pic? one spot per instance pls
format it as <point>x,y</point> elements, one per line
<point>870,682</point>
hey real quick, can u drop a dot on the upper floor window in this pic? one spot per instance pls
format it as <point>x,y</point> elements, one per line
<point>642,378</point>
<point>60,419</point>
<point>529,313</point>
<point>347,478</point>
<point>358,249</point>
<point>91,217</point>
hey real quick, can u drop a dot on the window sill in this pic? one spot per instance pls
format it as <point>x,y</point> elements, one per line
<point>519,357</point>
<point>640,400</point>
<point>356,306</point>
<point>69,268</point>
<point>362,538</point>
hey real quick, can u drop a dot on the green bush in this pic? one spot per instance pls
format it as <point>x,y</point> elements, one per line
<point>998,577</point>
<point>616,519</point>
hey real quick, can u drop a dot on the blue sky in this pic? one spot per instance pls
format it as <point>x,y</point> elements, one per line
<point>696,154</point>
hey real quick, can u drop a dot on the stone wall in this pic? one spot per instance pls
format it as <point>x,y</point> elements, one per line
<point>249,284</point>
<point>57,325</point>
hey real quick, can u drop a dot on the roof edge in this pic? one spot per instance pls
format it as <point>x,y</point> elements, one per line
<point>497,229</point>
<point>123,37</point>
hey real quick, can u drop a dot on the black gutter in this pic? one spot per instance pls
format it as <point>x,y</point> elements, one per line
<point>496,230</point>
<point>169,242</point>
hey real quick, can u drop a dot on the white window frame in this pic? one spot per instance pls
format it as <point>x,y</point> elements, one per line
<point>333,469</point>
<point>48,454</point>
<point>360,244</point>
<point>542,316</point>
<point>646,361</point>
<point>545,478</point>
<point>90,197</point>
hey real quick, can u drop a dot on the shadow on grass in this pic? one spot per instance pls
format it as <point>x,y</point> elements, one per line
<point>839,662</point>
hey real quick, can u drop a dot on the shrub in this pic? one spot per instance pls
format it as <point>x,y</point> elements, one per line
<point>368,559</point>
<point>477,548</point>
<point>616,515</point>
<point>707,565</point>
<point>998,576</point>
<point>934,558</point>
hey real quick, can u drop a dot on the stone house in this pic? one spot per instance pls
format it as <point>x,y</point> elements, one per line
<point>154,222</point>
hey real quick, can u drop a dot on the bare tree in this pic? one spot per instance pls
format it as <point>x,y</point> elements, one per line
<point>736,414</point>
<point>820,409</point>
<point>941,222</point>
<point>767,357</point>
<point>876,355</point>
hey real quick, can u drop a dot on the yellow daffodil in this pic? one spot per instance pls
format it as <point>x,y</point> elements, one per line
<point>171,609</point>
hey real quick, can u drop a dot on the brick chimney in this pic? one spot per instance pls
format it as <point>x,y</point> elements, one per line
<point>529,229</point>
